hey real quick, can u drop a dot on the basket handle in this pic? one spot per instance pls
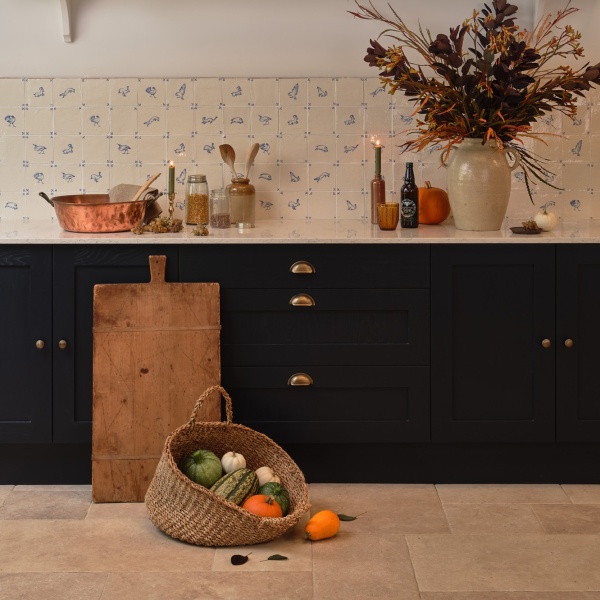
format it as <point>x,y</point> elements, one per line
<point>205,395</point>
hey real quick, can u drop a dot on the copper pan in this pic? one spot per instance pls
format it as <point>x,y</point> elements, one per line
<point>94,213</point>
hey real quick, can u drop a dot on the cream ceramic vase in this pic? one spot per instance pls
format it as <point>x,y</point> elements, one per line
<point>479,184</point>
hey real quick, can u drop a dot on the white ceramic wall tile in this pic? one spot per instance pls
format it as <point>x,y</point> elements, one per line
<point>180,92</point>
<point>38,92</point>
<point>95,92</point>
<point>67,92</point>
<point>264,92</point>
<point>316,158</point>
<point>293,92</point>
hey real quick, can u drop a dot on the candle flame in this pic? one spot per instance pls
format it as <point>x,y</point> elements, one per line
<point>377,144</point>
<point>171,164</point>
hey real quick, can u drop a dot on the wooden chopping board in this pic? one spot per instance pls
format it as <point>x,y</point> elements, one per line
<point>156,350</point>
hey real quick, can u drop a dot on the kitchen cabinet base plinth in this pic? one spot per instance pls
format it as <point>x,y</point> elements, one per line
<point>46,464</point>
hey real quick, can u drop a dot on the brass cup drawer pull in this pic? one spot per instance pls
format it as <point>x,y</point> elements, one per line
<point>300,379</point>
<point>302,267</point>
<point>302,300</point>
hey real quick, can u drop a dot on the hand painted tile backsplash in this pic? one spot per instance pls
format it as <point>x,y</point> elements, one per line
<point>69,136</point>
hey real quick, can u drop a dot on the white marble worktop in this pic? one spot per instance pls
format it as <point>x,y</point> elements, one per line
<point>309,232</point>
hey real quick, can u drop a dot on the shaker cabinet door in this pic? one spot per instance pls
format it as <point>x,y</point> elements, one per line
<point>577,346</point>
<point>493,343</point>
<point>25,344</point>
<point>77,269</point>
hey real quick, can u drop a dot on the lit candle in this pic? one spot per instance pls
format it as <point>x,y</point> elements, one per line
<point>171,178</point>
<point>377,159</point>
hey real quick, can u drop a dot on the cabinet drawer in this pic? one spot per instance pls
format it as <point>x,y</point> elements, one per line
<point>359,405</point>
<point>352,327</point>
<point>326,266</point>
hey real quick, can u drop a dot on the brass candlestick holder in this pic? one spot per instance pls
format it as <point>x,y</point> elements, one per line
<point>171,205</point>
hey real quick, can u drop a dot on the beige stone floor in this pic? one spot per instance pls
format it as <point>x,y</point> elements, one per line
<point>410,542</point>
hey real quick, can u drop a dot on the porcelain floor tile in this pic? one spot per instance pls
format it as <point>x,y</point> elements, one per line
<point>510,595</point>
<point>45,505</point>
<point>118,510</point>
<point>492,518</point>
<point>569,518</point>
<point>409,508</point>
<point>291,544</point>
<point>209,586</point>
<point>52,586</point>
<point>502,493</point>
<point>95,545</point>
<point>84,487</point>
<point>360,566</point>
<point>583,494</point>
<point>529,562</point>
<point>5,490</point>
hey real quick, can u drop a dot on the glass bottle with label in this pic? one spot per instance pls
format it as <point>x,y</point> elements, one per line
<point>409,200</point>
<point>196,200</point>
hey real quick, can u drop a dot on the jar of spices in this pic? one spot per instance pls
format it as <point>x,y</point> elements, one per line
<point>196,200</point>
<point>218,209</point>
<point>242,198</point>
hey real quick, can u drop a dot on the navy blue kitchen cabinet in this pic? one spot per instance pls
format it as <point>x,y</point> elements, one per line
<point>323,344</point>
<point>493,343</point>
<point>578,344</point>
<point>46,298</point>
<point>25,344</point>
<point>366,362</point>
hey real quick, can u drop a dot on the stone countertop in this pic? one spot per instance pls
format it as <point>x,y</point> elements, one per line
<point>308,232</point>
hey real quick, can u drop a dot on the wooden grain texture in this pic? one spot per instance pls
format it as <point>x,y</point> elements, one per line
<point>156,349</point>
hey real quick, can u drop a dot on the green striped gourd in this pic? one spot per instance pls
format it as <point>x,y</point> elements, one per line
<point>237,485</point>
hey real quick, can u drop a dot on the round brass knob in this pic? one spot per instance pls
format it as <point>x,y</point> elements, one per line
<point>546,343</point>
<point>39,344</point>
<point>62,344</point>
<point>569,343</point>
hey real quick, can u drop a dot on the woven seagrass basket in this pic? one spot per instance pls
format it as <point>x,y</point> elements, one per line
<point>192,513</point>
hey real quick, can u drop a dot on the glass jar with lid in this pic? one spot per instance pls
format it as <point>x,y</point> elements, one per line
<point>196,200</point>
<point>218,209</point>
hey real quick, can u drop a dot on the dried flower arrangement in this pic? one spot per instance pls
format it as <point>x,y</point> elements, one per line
<point>489,80</point>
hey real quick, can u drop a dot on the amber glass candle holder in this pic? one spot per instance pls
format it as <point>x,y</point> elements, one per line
<point>388,214</point>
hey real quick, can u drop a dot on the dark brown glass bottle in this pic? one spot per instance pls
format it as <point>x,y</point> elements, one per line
<point>409,200</point>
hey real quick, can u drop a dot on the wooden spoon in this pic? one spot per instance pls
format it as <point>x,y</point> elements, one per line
<point>228,156</point>
<point>144,187</point>
<point>250,159</point>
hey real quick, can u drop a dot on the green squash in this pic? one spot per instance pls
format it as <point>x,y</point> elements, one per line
<point>236,486</point>
<point>202,467</point>
<point>279,494</point>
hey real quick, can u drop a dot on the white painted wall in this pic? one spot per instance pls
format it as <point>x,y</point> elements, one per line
<point>207,38</point>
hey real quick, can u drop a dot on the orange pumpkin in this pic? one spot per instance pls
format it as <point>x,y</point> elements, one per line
<point>263,506</point>
<point>434,206</point>
<point>322,525</point>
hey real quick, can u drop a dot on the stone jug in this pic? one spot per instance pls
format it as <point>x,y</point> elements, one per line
<point>479,179</point>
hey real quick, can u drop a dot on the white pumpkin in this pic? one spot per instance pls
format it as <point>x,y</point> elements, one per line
<point>266,475</point>
<point>546,220</point>
<point>232,461</point>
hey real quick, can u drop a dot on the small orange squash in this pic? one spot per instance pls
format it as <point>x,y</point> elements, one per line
<point>263,506</point>
<point>434,206</point>
<point>322,525</point>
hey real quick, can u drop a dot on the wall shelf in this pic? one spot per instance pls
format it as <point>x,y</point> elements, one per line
<point>65,7</point>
